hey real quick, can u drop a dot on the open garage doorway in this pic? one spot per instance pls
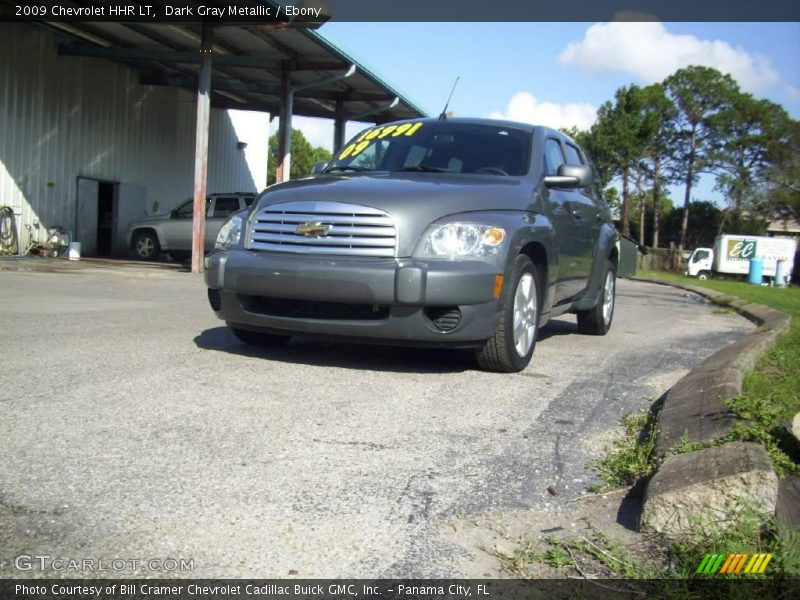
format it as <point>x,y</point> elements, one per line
<point>104,210</point>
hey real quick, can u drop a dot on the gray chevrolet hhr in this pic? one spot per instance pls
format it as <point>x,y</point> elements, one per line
<point>463,233</point>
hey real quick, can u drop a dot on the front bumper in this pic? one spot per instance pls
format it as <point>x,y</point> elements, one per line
<point>399,289</point>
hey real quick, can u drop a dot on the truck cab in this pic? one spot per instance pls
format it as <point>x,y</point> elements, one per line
<point>700,263</point>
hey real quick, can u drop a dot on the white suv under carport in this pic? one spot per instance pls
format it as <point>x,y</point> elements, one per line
<point>172,233</point>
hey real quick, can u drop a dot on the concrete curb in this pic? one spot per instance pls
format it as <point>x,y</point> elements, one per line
<point>695,409</point>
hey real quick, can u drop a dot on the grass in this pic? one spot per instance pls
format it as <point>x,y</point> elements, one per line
<point>594,555</point>
<point>750,533</point>
<point>631,457</point>
<point>589,556</point>
<point>771,394</point>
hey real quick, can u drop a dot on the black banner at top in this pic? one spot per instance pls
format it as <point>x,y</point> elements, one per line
<point>315,12</point>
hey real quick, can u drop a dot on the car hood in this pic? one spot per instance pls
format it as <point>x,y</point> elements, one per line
<point>414,200</point>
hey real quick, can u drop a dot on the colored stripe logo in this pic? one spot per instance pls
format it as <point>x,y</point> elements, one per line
<point>733,563</point>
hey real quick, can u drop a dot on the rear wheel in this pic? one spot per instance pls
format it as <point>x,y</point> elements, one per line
<point>511,348</point>
<point>255,338</point>
<point>597,320</point>
<point>146,246</point>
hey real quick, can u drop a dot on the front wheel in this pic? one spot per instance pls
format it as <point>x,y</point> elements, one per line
<point>511,348</point>
<point>254,338</point>
<point>703,275</point>
<point>597,320</point>
<point>146,246</point>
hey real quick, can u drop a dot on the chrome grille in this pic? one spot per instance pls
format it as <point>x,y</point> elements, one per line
<point>352,230</point>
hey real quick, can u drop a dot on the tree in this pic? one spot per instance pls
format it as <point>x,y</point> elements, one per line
<point>658,137</point>
<point>665,209</point>
<point>750,130</point>
<point>304,155</point>
<point>781,191</point>
<point>699,93</point>
<point>702,229</point>
<point>615,142</point>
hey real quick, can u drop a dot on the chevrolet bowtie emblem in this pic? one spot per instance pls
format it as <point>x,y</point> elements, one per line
<point>312,229</point>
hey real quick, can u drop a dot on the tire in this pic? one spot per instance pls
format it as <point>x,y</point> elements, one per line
<point>254,338</point>
<point>511,348</point>
<point>597,320</point>
<point>703,275</point>
<point>146,246</point>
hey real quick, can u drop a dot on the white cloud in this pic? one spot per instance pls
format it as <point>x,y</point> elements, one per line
<point>650,52</point>
<point>526,108</point>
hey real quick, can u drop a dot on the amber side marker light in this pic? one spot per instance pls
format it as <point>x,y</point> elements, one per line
<point>494,236</point>
<point>498,286</point>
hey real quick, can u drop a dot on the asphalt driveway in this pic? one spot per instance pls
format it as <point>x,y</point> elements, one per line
<point>134,427</point>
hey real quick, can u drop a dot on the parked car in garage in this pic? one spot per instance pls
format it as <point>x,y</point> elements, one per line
<point>172,232</point>
<point>452,233</point>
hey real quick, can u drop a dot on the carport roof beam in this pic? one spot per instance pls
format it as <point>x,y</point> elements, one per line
<point>245,54</point>
<point>376,110</point>
<point>176,56</point>
<point>256,88</point>
<point>325,80</point>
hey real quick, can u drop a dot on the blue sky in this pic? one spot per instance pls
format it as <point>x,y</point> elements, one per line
<point>559,73</point>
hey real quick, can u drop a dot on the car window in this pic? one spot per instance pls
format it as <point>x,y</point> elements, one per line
<point>574,156</point>
<point>185,210</point>
<point>224,206</point>
<point>415,155</point>
<point>439,147</point>
<point>700,255</point>
<point>553,156</point>
<point>248,200</point>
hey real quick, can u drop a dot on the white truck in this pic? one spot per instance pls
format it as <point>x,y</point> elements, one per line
<point>732,253</point>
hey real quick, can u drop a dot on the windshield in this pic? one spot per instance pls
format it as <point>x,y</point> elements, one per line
<point>437,147</point>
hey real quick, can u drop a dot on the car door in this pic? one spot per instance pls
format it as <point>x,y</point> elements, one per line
<point>176,228</point>
<point>588,216</point>
<point>568,227</point>
<point>219,209</point>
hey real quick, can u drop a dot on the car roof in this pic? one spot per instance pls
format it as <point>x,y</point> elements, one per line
<point>529,127</point>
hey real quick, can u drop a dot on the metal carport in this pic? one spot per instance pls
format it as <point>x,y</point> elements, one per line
<point>278,67</point>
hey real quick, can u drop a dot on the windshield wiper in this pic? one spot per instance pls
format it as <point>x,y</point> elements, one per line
<point>346,168</point>
<point>425,169</point>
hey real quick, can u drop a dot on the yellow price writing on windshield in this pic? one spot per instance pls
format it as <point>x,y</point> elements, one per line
<point>379,133</point>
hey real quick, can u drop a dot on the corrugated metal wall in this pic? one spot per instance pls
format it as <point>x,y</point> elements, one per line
<point>64,117</point>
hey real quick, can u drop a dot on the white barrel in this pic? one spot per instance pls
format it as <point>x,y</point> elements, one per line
<point>74,251</point>
<point>782,273</point>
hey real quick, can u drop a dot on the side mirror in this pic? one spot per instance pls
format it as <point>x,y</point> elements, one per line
<point>318,167</point>
<point>570,176</point>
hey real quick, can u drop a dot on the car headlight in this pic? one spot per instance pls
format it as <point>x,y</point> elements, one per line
<point>463,239</point>
<point>230,233</point>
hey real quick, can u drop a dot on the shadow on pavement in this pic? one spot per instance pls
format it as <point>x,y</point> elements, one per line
<point>351,355</point>
<point>554,328</point>
<point>344,355</point>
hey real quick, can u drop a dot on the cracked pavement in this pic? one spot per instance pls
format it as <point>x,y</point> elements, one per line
<point>133,425</point>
